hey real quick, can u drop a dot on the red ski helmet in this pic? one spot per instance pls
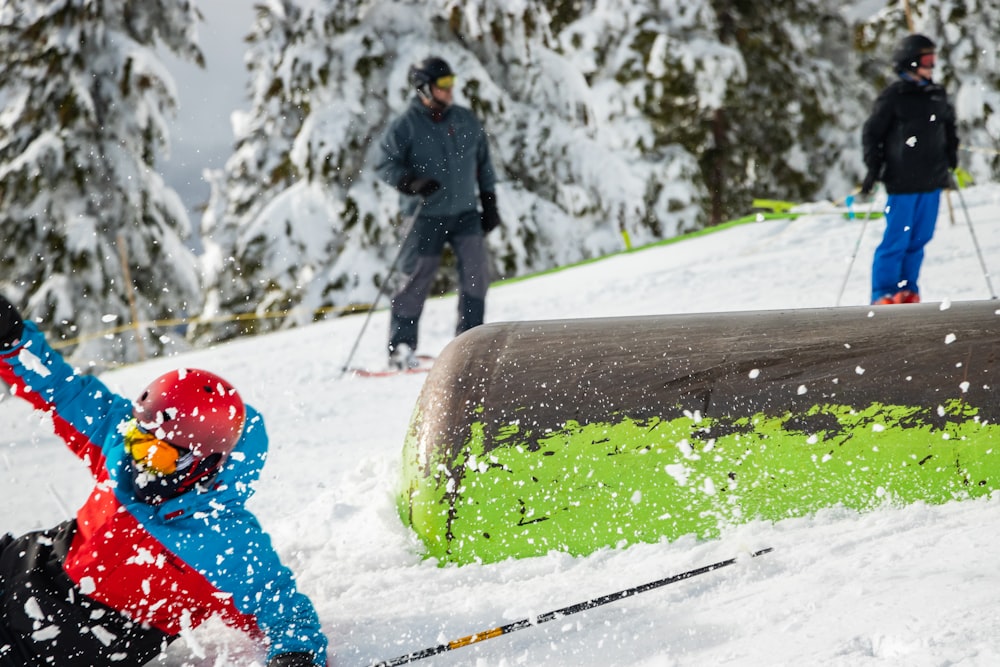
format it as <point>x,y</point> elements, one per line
<point>193,409</point>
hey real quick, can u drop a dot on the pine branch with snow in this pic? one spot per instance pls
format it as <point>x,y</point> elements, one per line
<point>86,105</point>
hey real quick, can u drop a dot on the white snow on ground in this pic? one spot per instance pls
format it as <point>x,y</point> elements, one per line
<point>899,586</point>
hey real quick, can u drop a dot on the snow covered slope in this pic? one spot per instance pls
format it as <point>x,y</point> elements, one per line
<point>913,585</point>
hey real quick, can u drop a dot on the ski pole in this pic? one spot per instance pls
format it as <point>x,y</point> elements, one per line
<point>975,241</point>
<point>857,245</point>
<point>407,230</point>
<point>559,613</point>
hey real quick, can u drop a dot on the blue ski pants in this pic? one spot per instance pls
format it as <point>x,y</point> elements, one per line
<point>909,225</point>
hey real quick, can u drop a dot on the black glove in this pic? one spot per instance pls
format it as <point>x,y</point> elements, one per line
<point>292,660</point>
<point>490,218</point>
<point>11,324</point>
<point>869,183</point>
<point>418,185</point>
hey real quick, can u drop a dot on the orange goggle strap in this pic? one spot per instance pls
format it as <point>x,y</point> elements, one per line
<point>156,456</point>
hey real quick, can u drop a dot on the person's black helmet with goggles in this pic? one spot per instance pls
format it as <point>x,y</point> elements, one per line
<point>913,52</point>
<point>429,72</point>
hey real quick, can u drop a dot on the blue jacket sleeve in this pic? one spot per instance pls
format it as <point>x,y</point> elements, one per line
<point>225,541</point>
<point>264,588</point>
<point>83,409</point>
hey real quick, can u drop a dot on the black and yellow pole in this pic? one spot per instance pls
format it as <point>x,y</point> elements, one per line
<point>560,613</point>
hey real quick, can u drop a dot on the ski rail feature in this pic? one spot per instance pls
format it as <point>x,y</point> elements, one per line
<point>577,435</point>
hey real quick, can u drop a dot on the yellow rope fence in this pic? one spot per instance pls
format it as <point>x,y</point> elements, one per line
<point>139,326</point>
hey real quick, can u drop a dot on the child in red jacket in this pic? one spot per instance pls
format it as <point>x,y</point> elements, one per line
<point>164,541</point>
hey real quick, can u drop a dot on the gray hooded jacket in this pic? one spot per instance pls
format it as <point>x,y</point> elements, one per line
<point>449,146</point>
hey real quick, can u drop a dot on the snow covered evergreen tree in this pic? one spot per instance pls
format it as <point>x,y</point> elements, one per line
<point>966,33</point>
<point>609,120</point>
<point>780,131</point>
<point>293,217</point>
<point>84,103</point>
<point>245,263</point>
<point>570,183</point>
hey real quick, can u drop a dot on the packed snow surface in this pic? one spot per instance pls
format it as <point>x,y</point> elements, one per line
<point>911,585</point>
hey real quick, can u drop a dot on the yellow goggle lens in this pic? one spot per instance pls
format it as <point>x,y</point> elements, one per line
<point>155,455</point>
<point>445,82</point>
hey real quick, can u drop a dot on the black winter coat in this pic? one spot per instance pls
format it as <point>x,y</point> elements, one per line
<point>910,141</point>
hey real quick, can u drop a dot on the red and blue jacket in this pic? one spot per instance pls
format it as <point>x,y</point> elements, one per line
<point>124,578</point>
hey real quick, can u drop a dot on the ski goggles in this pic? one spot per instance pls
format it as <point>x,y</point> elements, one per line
<point>445,82</point>
<point>155,456</point>
<point>927,60</point>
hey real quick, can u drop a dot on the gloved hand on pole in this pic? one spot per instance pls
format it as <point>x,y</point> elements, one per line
<point>418,185</point>
<point>11,324</point>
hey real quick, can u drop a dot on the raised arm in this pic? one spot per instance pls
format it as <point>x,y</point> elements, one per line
<point>83,409</point>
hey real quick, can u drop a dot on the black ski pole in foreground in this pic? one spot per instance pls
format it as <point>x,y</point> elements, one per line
<point>559,613</point>
<point>407,230</point>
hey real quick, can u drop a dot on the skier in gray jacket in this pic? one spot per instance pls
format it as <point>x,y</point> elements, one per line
<point>437,152</point>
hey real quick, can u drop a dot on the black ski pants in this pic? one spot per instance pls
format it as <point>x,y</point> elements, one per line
<point>46,620</point>
<point>419,260</point>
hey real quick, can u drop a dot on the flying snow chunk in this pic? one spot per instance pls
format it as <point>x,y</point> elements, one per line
<point>87,585</point>
<point>33,609</point>
<point>103,635</point>
<point>679,472</point>
<point>33,363</point>
<point>47,633</point>
<point>685,447</point>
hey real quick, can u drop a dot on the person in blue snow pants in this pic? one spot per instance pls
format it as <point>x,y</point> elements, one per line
<point>909,225</point>
<point>911,145</point>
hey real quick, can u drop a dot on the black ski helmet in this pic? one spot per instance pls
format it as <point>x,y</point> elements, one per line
<point>426,72</point>
<point>906,57</point>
